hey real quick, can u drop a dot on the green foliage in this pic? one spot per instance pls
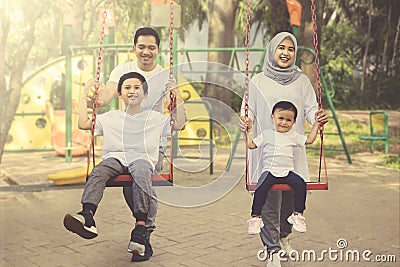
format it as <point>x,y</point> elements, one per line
<point>192,12</point>
<point>393,162</point>
<point>344,53</point>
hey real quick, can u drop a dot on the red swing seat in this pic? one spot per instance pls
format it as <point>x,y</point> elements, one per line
<point>285,187</point>
<point>161,179</point>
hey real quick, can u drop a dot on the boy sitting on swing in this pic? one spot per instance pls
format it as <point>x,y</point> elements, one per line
<point>130,146</point>
<point>278,164</point>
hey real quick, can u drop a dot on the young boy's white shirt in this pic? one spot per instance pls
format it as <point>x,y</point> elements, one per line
<point>264,93</point>
<point>132,137</point>
<point>277,150</point>
<point>156,80</point>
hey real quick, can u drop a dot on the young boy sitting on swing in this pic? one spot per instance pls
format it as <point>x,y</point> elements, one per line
<point>130,146</point>
<point>278,164</point>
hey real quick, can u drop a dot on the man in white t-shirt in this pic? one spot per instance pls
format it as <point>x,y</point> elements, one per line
<point>146,48</point>
<point>130,146</point>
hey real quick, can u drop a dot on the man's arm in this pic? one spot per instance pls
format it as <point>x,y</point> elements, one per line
<point>180,109</point>
<point>84,122</point>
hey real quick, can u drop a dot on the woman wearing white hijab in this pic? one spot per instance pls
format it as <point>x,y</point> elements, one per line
<point>281,80</point>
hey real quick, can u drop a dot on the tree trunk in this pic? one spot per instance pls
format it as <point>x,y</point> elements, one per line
<point>9,97</point>
<point>365,57</point>
<point>306,35</point>
<point>279,17</point>
<point>221,33</point>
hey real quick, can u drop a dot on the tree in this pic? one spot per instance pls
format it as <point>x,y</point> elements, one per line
<point>17,36</point>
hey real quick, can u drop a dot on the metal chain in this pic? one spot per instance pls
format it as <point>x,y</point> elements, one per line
<point>316,52</point>
<point>247,62</point>
<point>96,91</point>
<point>319,91</point>
<point>171,106</point>
<point>246,85</point>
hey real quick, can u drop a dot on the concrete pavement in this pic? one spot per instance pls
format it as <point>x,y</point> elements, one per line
<point>360,209</point>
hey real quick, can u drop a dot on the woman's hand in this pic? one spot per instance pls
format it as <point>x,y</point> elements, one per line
<point>245,123</point>
<point>321,116</point>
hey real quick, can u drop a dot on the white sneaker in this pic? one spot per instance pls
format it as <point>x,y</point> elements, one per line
<point>255,225</point>
<point>285,246</point>
<point>298,221</point>
<point>274,261</point>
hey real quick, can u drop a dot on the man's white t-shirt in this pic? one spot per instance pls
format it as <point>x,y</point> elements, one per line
<point>277,150</point>
<point>129,138</point>
<point>156,81</point>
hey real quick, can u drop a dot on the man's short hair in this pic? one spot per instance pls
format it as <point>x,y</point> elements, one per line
<point>146,31</point>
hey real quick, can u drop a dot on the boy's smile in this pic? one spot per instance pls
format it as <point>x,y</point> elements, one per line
<point>283,120</point>
<point>132,92</point>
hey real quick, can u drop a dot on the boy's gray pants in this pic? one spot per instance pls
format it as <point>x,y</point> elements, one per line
<point>151,218</point>
<point>142,192</point>
<point>278,207</point>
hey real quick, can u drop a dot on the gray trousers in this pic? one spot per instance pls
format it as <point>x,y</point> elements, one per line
<point>127,191</point>
<point>142,191</point>
<point>278,207</point>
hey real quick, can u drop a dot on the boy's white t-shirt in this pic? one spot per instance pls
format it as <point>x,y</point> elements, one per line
<point>129,138</point>
<point>156,81</point>
<point>264,93</point>
<point>277,150</point>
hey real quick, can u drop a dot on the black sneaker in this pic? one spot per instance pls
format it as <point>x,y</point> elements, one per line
<point>138,240</point>
<point>147,253</point>
<point>82,224</point>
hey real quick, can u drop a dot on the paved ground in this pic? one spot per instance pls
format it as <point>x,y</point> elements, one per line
<point>361,207</point>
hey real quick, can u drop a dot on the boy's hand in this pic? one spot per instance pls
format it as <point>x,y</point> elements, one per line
<point>90,86</point>
<point>245,123</point>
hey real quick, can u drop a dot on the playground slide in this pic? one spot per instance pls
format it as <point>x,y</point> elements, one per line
<point>80,139</point>
<point>72,176</point>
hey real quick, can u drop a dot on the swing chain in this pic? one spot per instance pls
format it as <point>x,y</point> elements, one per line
<point>171,106</point>
<point>322,159</point>
<point>316,51</point>
<point>98,70</point>
<point>247,62</point>
<point>171,52</point>
<point>246,85</point>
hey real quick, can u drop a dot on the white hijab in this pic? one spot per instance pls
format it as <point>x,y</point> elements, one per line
<point>281,75</point>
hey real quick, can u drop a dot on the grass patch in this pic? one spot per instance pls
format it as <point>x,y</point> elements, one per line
<point>393,162</point>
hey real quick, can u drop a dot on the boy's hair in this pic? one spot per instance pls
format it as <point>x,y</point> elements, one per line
<point>146,31</point>
<point>133,75</point>
<point>285,105</point>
